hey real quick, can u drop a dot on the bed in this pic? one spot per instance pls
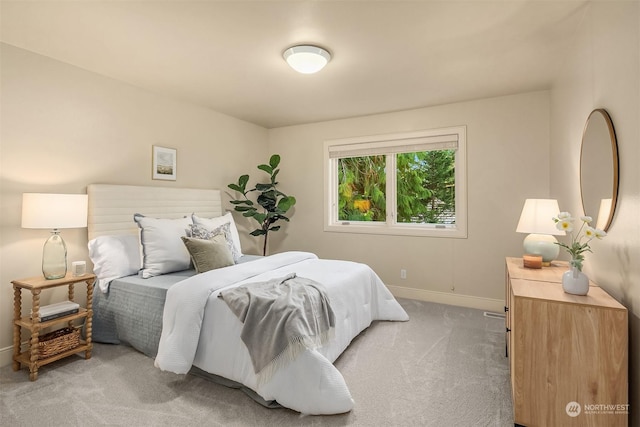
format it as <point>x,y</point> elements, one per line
<point>150,299</point>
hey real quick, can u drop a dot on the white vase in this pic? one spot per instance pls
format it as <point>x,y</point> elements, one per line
<point>575,282</point>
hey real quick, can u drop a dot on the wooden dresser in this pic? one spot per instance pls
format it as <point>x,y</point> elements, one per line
<point>568,354</point>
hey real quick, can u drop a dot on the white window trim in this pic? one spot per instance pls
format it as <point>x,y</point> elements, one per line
<point>331,222</point>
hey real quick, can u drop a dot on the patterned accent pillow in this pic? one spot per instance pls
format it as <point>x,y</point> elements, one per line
<point>216,222</point>
<point>200,232</point>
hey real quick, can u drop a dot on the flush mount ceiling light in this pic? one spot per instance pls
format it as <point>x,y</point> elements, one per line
<point>306,59</point>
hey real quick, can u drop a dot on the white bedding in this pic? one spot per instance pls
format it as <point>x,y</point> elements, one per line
<point>199,329</point>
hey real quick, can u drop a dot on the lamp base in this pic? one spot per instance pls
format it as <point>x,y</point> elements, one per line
<point>54,257</point>
<point>544,245</point>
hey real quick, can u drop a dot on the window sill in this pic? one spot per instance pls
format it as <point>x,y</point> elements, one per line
<point>397,230</point>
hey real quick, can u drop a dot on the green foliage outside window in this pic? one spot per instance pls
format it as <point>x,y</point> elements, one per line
<point>361,189</point>
<point>425,188</point>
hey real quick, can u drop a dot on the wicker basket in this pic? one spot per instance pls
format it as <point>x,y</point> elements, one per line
<point>58,341</point>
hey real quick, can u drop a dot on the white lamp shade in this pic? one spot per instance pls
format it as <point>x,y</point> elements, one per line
<point>537,217</point>
<point>46,210</point>
<point>306,59</point>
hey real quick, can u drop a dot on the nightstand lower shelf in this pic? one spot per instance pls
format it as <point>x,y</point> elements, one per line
<point>24,358</point>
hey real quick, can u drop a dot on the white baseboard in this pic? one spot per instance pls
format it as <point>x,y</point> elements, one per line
<point>6,356</point>
<point>488,304</point>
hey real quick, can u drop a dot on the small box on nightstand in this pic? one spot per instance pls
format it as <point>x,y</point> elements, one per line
<point>532,261</point>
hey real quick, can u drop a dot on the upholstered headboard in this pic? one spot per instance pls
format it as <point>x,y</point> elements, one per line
<point>111,207</point>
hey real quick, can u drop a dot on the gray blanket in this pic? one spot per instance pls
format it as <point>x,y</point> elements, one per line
<point>281,317</point>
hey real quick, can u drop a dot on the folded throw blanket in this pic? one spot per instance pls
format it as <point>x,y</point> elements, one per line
<point>281,318</point>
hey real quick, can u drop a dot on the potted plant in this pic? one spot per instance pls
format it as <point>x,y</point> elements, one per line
<point>575,281</point>
<point>271,204</point>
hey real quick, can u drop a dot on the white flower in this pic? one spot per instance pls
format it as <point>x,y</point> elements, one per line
<point>589,232</point>
<point>576,248</point>
<point>599,233</point>
<point>565,225</point>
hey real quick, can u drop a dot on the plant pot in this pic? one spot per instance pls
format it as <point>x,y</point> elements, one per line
<point>575,282</point>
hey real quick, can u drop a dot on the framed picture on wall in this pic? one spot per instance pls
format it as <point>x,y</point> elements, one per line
<point>164,163</point>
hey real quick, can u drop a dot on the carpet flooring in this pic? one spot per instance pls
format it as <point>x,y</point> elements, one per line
<point>445,367</point>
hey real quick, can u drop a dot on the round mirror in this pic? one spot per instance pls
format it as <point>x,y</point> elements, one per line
<point>599,169</point>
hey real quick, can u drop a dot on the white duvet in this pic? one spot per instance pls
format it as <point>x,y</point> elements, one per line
<point>200,330</point>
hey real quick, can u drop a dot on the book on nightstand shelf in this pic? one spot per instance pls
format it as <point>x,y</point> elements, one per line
<point>60,309</point>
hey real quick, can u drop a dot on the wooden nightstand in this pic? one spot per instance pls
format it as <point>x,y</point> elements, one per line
<point>31,357</point>
<point>568,354</point>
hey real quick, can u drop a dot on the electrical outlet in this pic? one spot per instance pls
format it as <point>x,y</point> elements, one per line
<point>403,274</point>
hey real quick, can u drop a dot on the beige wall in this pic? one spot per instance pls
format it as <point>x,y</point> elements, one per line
<point>507,161</point>
<point>64,128</point>
<point>604,72</point>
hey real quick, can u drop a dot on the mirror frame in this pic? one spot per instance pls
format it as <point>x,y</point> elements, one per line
<point>614,158</point>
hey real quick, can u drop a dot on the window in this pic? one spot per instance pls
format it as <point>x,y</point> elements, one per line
<point>407,184</point>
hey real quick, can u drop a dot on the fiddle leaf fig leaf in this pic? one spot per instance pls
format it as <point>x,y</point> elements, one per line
<point>274,161</point>
<point>241,186</point>
<point>286,203</point>
<point>268,169</point>
<point>236,187</point>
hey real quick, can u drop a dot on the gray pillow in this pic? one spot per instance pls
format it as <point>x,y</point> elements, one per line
<point>209,254</point>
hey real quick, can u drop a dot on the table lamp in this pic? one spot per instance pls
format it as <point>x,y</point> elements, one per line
<point>537,220</point>
<point>54,211</point>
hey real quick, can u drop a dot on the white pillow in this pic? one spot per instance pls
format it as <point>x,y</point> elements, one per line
<point>162,247</point>
<point>114,257</point>
<point>213,223</point>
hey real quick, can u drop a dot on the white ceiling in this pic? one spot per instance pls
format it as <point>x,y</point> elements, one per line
<point>387,55</point>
